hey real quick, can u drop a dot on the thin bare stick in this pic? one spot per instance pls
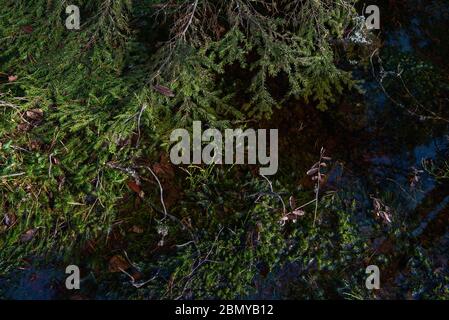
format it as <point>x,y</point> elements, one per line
<point>139,118</point>
<point>13,175</point>
<point>276,194</point>
<point>161,190</point>
<point>318,182</point>
<point>195,5</point>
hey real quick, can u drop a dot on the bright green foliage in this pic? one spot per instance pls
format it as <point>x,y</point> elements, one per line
<point>84,102</point>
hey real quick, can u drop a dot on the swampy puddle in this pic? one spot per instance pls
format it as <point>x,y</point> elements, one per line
<point>379,150</point>
<point>33,283</point>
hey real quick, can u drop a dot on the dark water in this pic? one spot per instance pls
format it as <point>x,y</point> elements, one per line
<point>34,283</point>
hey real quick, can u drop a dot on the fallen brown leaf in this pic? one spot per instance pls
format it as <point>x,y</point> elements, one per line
<point>292,202</point>
<point>137,229</point>
<point>136,188</point>
<point>164,91</point>
<point>27,29</point>
<point>28,236</point>
<point>35,114</point>
<point>10,219</point>
<point>312,171</point>
<point>118,264</point>
<point>23,127</point>
<point>35,145</point>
